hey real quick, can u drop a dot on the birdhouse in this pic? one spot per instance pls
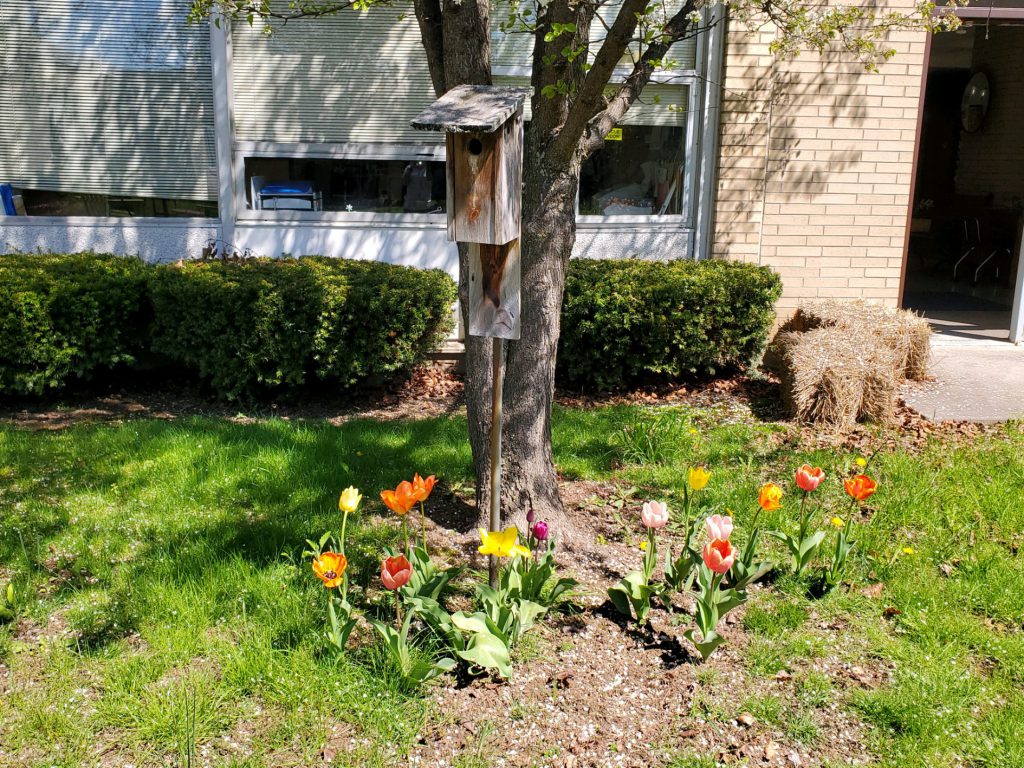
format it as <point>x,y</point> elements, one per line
<point>484,139</point>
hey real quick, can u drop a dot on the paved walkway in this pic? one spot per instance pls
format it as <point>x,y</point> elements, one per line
<point>975,380</point>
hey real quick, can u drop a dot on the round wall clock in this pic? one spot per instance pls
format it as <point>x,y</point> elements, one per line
<point>974,104</point>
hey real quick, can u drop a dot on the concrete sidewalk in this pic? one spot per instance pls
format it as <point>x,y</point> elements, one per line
<point>980,380</point>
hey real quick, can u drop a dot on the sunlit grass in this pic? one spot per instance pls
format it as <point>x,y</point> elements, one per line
<point>162,559</point>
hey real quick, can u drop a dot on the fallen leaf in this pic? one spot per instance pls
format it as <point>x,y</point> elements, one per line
<point>874,591</point>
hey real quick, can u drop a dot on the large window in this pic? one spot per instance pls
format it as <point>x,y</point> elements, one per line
<point>107,108</point>
<point>352,185</point>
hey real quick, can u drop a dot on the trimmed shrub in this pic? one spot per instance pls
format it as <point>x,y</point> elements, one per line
<point>627,321</point>
<point>62,317</point>
<point>277,324</point>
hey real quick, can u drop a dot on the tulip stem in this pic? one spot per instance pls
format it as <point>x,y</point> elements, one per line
<point>423,522</point>
<point>398,610</point>
<point>344,523</point>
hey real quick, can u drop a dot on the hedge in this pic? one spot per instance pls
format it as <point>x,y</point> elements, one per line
<point>629,321</point>
<point>276,324</point>
<point>64,317</point>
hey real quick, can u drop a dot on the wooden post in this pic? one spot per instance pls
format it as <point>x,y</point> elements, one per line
<point>498,373</point>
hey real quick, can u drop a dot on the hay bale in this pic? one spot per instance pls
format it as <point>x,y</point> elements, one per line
<point>826,380</point>
<point>908,335</point>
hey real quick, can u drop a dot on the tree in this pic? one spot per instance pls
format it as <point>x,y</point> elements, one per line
<point>575,103</point>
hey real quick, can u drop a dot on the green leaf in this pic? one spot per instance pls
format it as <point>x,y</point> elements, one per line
<point>487,651</point>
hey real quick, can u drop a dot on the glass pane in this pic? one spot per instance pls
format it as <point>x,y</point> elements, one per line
<point>638,173</point>
<point>377,186</point>
<point>38,202</point>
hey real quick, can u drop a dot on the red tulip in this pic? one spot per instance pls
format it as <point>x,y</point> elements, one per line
<point>395,572</point>
<point>860,487</point>
<point>809,478</point>
<point>719,555</point>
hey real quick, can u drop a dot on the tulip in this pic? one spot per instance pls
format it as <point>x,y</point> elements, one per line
<point>699,477</point>
<point>330,568</point>
<point>395,572</point>
<point>654,514</point>
<point>540,530</point>
<point>502,543</point>
<point>349,500</point>
<point>422,488</point>
<point>530,516</point>
<point>719,555</point>
<point>400,500</point>
<point>719,527</point>
<point>809,478</point>
<point>769,497</point>
<point>860,487</point>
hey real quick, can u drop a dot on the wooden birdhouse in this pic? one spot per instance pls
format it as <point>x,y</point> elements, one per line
<point>484,139</point>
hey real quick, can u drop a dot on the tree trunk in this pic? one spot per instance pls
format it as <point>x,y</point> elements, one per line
<point>529,479</point>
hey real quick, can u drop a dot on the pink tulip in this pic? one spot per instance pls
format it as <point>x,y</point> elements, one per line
<point>809,478</point>
<point>719,527</point>
<point>395,572</point>
<point>719,555</point>
<point>654,514</point>
<point>540,530</point>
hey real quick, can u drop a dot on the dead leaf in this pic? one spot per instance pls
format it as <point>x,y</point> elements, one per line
<point>890,612</point>
<point>874,590</point>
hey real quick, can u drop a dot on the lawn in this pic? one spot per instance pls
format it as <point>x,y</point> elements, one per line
<point>163,614</point>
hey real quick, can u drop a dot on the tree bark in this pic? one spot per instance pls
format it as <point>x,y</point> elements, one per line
<point>529,479</point>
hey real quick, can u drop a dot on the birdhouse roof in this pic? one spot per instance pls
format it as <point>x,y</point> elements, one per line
<point>472,109</point>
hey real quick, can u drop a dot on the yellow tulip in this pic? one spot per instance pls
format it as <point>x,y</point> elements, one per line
<point>699,477</point>
<point>349,500</point>
<point>502,544</point>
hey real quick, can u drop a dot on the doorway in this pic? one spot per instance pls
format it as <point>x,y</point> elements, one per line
<point>964,253</point>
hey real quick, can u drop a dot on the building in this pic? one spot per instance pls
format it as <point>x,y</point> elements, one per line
<point>126,130</point>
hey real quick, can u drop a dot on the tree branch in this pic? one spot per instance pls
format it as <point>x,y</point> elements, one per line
<point>601,121</point>
<point>591,94</point>
<point>431,21</point>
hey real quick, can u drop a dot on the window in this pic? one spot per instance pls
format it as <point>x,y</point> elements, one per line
<point>639,171</point>
<point>38,202</point>
<point>108,108</point>
<point>353,185</point>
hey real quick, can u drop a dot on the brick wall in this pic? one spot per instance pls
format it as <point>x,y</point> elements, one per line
<point>980,169</point>
<point>816,164</point>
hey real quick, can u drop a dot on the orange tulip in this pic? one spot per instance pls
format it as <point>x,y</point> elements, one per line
<point>769,497</point>
<point>400,500</point>
<point>395,572</point>
<point>421,487</point>
<point>330,567</point>
<point>859,487</point>
<point>719,555</point>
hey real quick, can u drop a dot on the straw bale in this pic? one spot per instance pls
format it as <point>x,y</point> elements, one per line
<point>865,324</point>
<point>827,380</point>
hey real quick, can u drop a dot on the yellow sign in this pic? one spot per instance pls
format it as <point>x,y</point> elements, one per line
<point>615,134</point>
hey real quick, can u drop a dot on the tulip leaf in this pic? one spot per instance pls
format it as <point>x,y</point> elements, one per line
<point>487,651</point>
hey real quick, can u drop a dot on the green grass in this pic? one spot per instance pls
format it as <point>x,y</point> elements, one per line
<point>162,559</point>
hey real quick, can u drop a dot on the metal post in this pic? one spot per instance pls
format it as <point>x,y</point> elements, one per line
<point>498,374</point>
